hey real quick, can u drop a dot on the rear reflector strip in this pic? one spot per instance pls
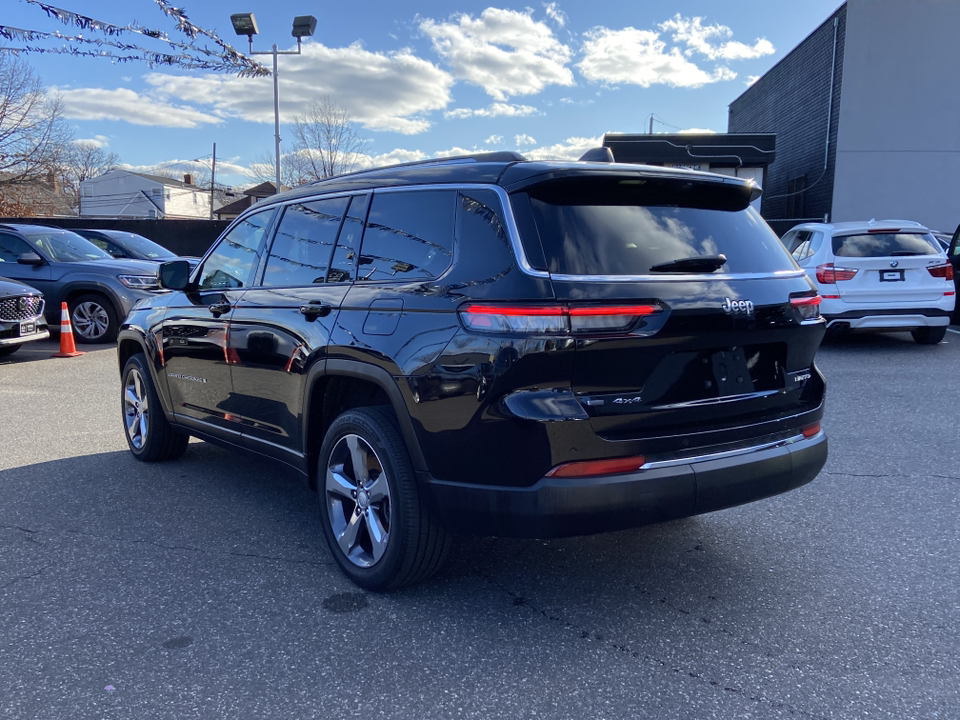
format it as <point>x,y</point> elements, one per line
<point>590,468</point>
<point>811,430</point>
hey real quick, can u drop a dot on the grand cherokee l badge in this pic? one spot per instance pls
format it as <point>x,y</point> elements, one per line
<point>737,307</point>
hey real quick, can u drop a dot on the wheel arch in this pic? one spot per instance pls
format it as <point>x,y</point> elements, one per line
<point>131,342</point>
<point>336,386</point>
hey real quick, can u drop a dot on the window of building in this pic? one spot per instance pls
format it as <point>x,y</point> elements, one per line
<point>409,236</point>
<point>237,255</point>
<point>796,192</point>
<point>303,244</point>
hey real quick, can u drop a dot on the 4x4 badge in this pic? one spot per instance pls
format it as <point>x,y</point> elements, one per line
<point>737,307</point>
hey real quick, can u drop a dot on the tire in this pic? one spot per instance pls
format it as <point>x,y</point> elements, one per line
<point>93,319</point>
<point>149,434</point>
<point>367,488</point>
<point>929,335</point>
<point>8,350</point>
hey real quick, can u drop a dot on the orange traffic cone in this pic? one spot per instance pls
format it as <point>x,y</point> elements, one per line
<point>67,348</point>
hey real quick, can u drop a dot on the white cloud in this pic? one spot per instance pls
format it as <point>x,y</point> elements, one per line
<point>751,79</point>
<point>640,57</point>
<point>696,131</point>
<point>127,105</point>
<point>224,167</point>
<point>524,139</point>
<point>494,140</point>
<point>505,52</point>
<point>495,110</point>
<point>100,141</point>
<point>394,157</point>
<point>380,91</point>
<point>555,13</point>
<point>570,149</point>
<point>692,32</point>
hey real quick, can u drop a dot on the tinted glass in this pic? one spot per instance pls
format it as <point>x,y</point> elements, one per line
<point>64,246</point>
<point>139,246</point>
<point>343,267</point>
<point>11,248</point>
<point>300,254</point>
<point>409,236</point>
<point>618,226</point>
<point>885,245</point>
<point>232,263</point>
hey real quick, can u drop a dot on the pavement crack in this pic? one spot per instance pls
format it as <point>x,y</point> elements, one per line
<point>20,578</point>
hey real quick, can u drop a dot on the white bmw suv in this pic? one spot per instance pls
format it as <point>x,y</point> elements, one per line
<point>877,275</point>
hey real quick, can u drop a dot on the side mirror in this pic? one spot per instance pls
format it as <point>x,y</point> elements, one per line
<point>174,275</point>
<point>31,258</point>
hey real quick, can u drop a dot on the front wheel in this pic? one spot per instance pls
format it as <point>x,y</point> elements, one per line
<point>375,520</point>
<point>929,335</point>
<point>93,319</point>
<point>150,436</point>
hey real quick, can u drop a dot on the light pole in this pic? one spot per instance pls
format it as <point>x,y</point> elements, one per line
<point>303,26</point>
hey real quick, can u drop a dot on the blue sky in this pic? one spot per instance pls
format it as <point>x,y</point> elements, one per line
<point>422,79</point>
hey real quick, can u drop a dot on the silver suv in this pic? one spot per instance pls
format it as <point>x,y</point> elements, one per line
<point>66,267</point>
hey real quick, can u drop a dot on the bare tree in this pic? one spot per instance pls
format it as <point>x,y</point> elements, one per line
<point>84,160</point>
<point>325,143</point>
<point>33,134</point>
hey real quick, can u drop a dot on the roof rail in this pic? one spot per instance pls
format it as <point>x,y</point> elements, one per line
<point>502,156</point>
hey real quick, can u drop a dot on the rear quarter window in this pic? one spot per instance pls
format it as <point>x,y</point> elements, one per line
<point>625,226</point>
<point>885,245</point>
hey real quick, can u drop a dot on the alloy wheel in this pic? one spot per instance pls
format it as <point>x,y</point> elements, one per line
<point>358,500</point>
<point>136,409</point>
<point>90,320</point>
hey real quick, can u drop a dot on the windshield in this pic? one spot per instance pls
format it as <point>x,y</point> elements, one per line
<point>64,246</point>
<point>613,226</point>
<point>138,245</point>
<point>888,244</point>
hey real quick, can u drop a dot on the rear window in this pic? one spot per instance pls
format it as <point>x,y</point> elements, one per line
<point>625,226</point>
<point>885,245</point>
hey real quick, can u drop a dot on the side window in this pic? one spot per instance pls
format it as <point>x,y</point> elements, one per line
<point>343,267</point>
<point>303,243</point>
<point>12,247</point>
<point>409,236</point>
<point>800,244</point>
<point>233,262</point>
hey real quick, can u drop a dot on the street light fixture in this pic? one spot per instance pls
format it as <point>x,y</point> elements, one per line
<point>303,26</point>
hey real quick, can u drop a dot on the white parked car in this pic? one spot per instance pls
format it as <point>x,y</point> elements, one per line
<point>877,275</point>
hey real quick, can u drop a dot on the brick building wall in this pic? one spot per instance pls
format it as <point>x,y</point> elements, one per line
<point>792,100</point>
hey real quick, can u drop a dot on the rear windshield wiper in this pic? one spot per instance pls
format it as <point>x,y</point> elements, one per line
<point>698,264</point>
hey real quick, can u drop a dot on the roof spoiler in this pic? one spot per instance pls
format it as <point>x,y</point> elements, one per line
<point>597,154</point>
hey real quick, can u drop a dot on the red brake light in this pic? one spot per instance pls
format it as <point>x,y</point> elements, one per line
<point>554,319</point>
<point>590,468</point>
<point>942,271</point>
<point>808,307</point>
<point>811,430</point>
<point>829,274</point>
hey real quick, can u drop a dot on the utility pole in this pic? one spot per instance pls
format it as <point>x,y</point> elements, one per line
<point>213,177</point>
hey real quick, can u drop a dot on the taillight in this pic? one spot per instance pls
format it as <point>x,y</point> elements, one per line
<point>554,319</point>
<point>811,430</point>
<point>829,274</point>
<point>807,307</point>
<point>942,271</point>
<point>589,468</point>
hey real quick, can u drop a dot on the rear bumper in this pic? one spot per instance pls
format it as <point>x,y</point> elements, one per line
<point>865,319</point>
<point>560,507</point>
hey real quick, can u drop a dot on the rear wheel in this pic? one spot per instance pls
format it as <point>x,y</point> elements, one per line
<point>93,319</point>
<point>375,520</point>
<point>929,335</point>
<point>150,436</point>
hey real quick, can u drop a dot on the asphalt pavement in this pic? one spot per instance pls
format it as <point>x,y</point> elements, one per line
<point>202,588</point>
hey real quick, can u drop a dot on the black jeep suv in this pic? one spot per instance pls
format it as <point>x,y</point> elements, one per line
<point>490,345</point>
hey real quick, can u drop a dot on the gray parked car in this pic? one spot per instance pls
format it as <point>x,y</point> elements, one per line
<point>98,289</point>
<point>123,244</point>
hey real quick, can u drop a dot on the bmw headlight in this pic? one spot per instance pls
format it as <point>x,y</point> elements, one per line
<point>140,282</point>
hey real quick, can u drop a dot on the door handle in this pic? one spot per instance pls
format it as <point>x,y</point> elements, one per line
<point>220,308</point>
<point>315,309</point>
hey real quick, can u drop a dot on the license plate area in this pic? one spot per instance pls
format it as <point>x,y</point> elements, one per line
<point>891,276</point>
<point>28,328</point>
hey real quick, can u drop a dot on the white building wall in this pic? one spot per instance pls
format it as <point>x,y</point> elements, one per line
<point>120,194</point>
<point>898,147</point>
<point>188,203</point>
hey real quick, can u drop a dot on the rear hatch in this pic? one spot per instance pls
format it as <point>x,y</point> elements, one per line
<point>891,267</point>
<point>727,347</point>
